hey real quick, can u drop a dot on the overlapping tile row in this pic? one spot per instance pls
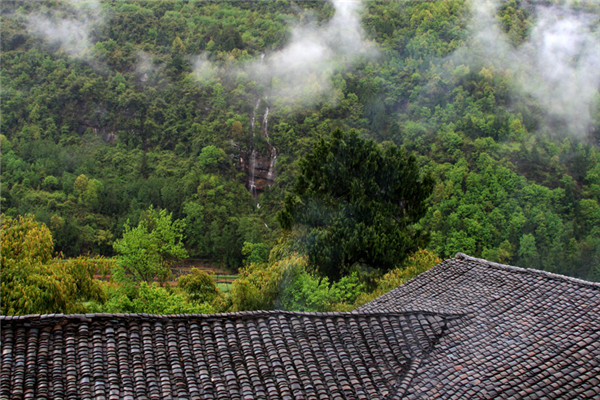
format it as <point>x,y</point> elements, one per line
<point>277,355</point>
<point>525,333</point>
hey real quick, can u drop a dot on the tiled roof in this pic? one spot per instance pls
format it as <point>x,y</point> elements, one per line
<point>523,334</point>
<point>465,329</point>
<point>276,355</point>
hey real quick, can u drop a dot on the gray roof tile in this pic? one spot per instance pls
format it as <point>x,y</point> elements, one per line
<point>227,356</point>
<point>524,333</point>
<point>467,328</point>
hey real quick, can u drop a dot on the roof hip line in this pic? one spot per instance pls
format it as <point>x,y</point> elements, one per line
<point>522,270</point>
<point>232,315</point>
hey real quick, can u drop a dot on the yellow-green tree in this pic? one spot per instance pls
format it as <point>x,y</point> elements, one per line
<point>199,286</point>
<point>417,263</point>
<point>35,283</point>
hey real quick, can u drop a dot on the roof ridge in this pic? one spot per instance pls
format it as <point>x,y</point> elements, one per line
<point>232,315</point>
<point>532,271</point>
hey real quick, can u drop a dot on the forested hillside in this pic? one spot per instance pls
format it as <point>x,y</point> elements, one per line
<point>204,109</point>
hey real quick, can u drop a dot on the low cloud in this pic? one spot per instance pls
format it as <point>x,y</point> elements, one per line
<point>148,71</point>
<point>71,33</point>
<point>558,65</point>
<point>301,72</point>
<point>202,68</point>
<point>298,74</point>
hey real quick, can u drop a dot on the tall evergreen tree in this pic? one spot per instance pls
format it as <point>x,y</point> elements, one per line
<point>357,202</point>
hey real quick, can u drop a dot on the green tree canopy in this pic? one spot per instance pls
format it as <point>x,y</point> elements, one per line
<point>357,202</point>
<point>145,253</point>
<point>35,283</point>
<point>198,285</point>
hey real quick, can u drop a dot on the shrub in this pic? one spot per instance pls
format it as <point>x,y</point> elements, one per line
<point>199,286</point>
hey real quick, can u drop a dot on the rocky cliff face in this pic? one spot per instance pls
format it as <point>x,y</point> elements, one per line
<point>260,167</point>
<point>263,173</point>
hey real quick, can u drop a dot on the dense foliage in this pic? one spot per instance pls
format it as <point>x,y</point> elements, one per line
<point>289,283</point>
<point>109,108</point>
<point>199,286</point>
<point>147,252</point>
<point>357,203</point>
<point>35,282</point>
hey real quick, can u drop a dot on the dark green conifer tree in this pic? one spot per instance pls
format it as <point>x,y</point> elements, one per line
<point>357,203</point>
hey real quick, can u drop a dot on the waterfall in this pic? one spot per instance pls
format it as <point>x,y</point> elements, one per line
<point>253,118</point>
<point>273,155</point>
<point>266,123</point>
<point>271,173</point>
<point>252,161</point>
<point>258,175</point>
<point>252,168</point>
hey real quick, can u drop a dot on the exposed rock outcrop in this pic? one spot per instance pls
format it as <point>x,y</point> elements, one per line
<point>260,166</point>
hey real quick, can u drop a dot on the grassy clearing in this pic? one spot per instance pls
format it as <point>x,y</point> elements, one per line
<point>224,287</point>
<point>225,277</point>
